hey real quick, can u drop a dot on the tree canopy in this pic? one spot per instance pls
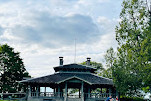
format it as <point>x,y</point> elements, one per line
<point>131,68</point>
<point>109,59</point>
<point>96,65</point>
<point>12,70</point>
<point>101,71</point>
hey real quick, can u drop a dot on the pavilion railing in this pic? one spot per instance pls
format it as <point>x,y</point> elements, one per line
<point>73,96</point>
<point>12,96</point>
<point>60,94</point>
<point>46,94</point>
<point>98,95</point>
<point>33,94</point>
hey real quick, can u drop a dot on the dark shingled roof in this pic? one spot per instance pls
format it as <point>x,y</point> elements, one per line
<point>61,77</point>
<point>74,66</point>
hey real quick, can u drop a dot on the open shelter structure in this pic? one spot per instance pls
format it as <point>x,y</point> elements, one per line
<point>70,82</point>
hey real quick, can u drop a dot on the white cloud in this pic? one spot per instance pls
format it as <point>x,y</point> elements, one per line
<point>44,30</point>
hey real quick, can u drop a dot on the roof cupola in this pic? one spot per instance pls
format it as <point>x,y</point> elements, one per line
<point>74,67</point>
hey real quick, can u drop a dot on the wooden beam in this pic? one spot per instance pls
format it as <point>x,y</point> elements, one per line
<point>89,91</point>
<point>66,87</point>
<point>37,91</point>
<point>79,92</point>
<point>58,91</point>
<point>29,91</point>
<point>110,91</point>
<point>82,91</point>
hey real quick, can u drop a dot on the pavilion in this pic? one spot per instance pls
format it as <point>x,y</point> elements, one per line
<point>81,79</point>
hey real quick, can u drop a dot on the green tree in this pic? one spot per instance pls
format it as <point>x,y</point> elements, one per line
<point>132,59</point>
<point>12,70</point>
<point>101,71</point>
<point>96,65</point>
<point>146,54</point>
<point>109,58</point>
<point>106,73</point>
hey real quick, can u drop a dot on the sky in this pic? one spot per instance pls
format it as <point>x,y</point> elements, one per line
<point>43,30</point>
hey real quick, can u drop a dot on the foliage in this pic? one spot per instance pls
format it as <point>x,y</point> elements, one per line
<point>12,70</point>
<point>146,54</point>
<point>100,70</point>
<point>106,73</point>
<point>109,58</point>
<point>96,65</point>
<point>132,64</point>
<point>73,90</point>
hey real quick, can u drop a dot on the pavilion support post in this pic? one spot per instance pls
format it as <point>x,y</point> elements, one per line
<point>54,90</point>
<point>89,92</point>
<point>37,91</point>
<point>58,91</point>
<point>66,87</point>
<point>45,92</point>
<point>29,91</point>
<point>110,91</point>
<point>82,91</point>
<point>107,90</point>
<point>61,92</point>
<point>79,93</point>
